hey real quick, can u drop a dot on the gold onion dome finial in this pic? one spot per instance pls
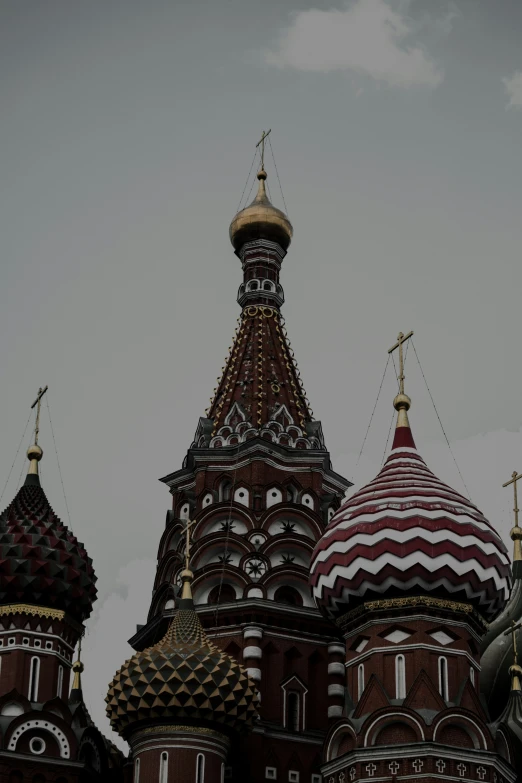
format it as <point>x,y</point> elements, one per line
<point>261,220</point>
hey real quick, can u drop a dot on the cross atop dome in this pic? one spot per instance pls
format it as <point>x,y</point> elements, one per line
<point>35,452</point>
<point>402,403</point>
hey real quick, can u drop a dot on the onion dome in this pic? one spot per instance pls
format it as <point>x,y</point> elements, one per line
<point>261,220</point>
<point>41,562</point>
<point>408,533</point>
<point>184,677</point>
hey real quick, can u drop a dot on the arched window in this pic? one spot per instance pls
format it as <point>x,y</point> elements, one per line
<point>288,595</point>
<point>443,678</point>
<point>59,686</point>
<point>400,677</point>
<point>472,675</point>
<point>222,772</point>
<point>225,595</point>
<point>34,679</point>
<point>164,768</point>
<point>267,285</point>
<point>253,285</point>
<point>292,711</point>
<point>200,768</point>
<point>360,680</point>
<point>137,771</point>
<point>225,490</point>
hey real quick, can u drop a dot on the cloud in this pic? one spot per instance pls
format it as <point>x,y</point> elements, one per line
<point>513,87</point>
<point>366,37</point>
<point>105,645</point>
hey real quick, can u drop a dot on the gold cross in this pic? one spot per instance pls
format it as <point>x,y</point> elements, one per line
<point>38,403</point>
<point>262,142</point>
<point>513,480</point>
<point>188,542</point>
<point>401,339</point>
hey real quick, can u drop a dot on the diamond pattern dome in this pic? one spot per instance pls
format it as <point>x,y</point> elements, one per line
<point>41,561</point>
<point>183,677</point>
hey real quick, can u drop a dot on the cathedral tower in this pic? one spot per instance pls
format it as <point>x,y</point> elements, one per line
<point>412,572</point>
<point>47,589</point>
<point>258,483</point>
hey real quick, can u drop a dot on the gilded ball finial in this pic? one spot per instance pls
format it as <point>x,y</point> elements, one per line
<point>34,452</point>
<point>78,667</point>
<point>402,402</point>
<point>261,174</point>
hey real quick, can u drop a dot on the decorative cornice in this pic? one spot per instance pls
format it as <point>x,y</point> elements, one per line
<point>412,601</point>
<point>35,611</point>
<point>44,612</point>
<point>173,728</point>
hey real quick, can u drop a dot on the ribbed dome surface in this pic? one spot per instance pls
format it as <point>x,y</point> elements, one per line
<point>408,533</point>
<point>183,677</point>
<point>41,561</point>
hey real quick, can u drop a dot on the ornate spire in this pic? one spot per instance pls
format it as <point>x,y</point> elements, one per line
<point>516,531</point>
<point>76,694</point>
<point>402,403</point>
<point>35,452</point>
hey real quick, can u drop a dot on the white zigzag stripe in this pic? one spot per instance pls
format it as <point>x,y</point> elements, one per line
<point>403,536</point>
<point>393,513</point>
<point>431,564</point>
<point>403,586</point>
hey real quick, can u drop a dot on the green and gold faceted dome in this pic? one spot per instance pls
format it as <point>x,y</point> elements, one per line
<point>261,220</point>
<point>183,678</point>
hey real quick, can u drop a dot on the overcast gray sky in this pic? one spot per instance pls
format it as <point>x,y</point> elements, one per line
<point>126,133</point>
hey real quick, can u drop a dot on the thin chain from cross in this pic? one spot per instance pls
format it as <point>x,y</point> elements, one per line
<point>401,339</point>
<point>38,403</point>
<point>262,143</point>
<point>188,542</point>
<point>514,627</point>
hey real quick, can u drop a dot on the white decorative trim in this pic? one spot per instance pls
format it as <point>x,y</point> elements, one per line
<point>336,690</point>
<point>252,652</point>
<point>386,717</point>
<point>253,673</point>
<point>252,631</point>
<point>462,719</point>
<point>335,711</point>
<point>336,668</point>
<point>336,649</point>
<point>45,726</point>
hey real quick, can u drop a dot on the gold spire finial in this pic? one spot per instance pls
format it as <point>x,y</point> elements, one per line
<point>187,574</point>
<point>516,531</point>
<point>515,670</point>
<point>78,668</point>
<point>34,452</point>
<point>402,402</point>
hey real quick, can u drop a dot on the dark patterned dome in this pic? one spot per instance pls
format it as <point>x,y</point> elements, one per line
<point>184,677</point>
<point>41,561</point>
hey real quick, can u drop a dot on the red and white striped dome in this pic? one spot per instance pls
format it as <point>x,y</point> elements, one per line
<point>407,533</point>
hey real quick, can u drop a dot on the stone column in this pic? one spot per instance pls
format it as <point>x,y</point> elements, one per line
<point>336,680</point>
<point>252,652</point>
